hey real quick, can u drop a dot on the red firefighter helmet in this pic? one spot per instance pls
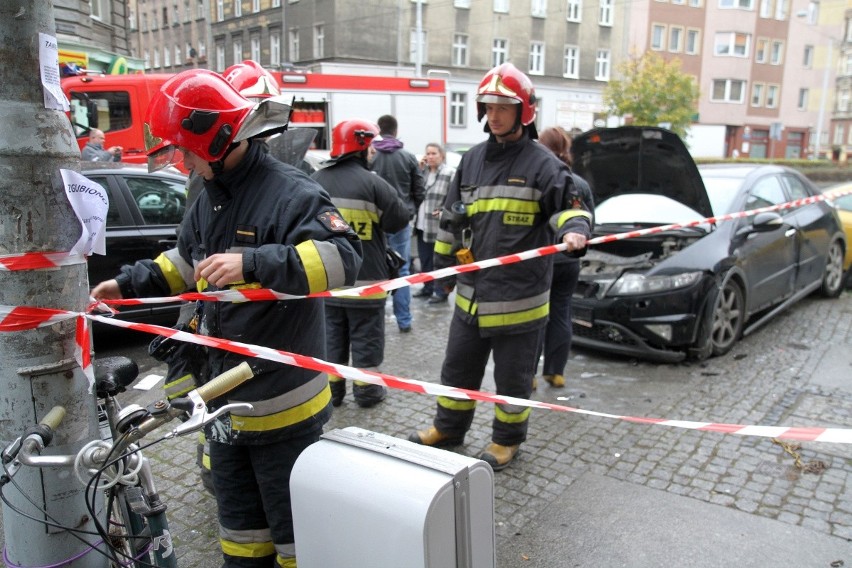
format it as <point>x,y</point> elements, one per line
<point>252,80</point>
<point>506,85</point>
<point>197,110</point>
<point>352,136</point>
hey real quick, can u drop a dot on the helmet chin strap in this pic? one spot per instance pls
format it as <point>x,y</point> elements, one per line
<point>218,166</point>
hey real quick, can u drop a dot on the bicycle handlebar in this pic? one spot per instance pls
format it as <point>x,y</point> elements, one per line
<point>225,382</point>
<point>53,418</point>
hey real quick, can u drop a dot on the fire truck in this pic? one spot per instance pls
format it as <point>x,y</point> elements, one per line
<point>322,100</point>
<point>116,104</point>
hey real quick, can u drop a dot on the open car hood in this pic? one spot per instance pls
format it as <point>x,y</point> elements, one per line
<point>639,159</point>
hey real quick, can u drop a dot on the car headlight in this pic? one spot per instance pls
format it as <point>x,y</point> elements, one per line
<point>631,284</point>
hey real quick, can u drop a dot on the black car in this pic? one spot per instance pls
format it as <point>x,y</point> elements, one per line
<point>693,292</point>
<point>144,212</point>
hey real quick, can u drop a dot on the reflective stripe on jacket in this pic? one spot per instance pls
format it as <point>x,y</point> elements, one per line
<point>518,196</point>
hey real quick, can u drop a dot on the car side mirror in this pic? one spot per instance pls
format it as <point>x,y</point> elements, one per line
<point>764,222</point>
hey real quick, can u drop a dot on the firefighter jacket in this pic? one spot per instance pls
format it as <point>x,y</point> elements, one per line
<point>517,196</point>
<point>292,240</point>
<point>372,208</point>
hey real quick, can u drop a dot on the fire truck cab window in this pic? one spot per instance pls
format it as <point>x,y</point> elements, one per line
<point>107,110</point>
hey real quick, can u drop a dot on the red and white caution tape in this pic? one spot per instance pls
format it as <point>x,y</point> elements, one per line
<point>39,260</point>
<point>263,294</point>
<point>836,435</point>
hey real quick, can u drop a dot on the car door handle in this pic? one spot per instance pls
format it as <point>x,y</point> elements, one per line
<point>789,232</point>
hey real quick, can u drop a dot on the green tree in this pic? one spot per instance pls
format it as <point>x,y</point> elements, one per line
<point>653,91</point>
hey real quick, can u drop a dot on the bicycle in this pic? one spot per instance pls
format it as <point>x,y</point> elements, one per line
<point>121,497</point>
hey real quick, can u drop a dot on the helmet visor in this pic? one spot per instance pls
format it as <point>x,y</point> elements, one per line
<point>164,157</point>
<point>496,99</point>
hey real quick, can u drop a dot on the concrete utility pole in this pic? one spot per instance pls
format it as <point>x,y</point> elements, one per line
<point>38,369</point>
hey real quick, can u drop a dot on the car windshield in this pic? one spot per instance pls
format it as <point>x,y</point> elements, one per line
<point>643,209</point>
<point>722,191</point>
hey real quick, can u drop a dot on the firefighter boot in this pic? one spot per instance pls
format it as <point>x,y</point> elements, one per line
<point>367,395</point>
<point>435,438</point>
<point>555,380</point>
<point>338,391</point>
<point>499,457</point>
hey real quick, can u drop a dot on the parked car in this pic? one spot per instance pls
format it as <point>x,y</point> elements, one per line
<point>693,292</point>
<point>844,211</point>
<point>144,212</point>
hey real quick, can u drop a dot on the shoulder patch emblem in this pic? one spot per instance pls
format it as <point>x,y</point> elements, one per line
<point>332,221</point>
<point>576,204</point>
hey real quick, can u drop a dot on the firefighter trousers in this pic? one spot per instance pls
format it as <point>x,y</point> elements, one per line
<point>464,367</point>
<point>361,330</point>
<point>253,496</point>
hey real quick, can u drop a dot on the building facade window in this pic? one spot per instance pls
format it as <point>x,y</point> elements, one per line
<point>757,94</point>
<point>538,8</point>
<point>499,52</point>
<point>808,57</point>
<point>293,44</point>
<point>238,8</point>
<point>781,9</point>
<point>658,37</point>
<point>602,64</point>
<point>737,4</point>
<point>765,8</point>
<point>461,4</point>
<point>255,6</point>
<point>536,58</point>
<point>458,109</point>
<point>147,58</point>
<point>732,44</point>
<point>676,39</point>
<point>772,96</point>
<point>199,10</point>
<point>693,41</point>
<point>605,15</point>
<point>501,6</point>
<point>220,10</point>
<point>761,50</point>
<point>156,58</point>
<point>727,91</point>
<point>803,99</point>
<point>167,57</point>
<point>571,69</point>
<point>777,54</point>
<point>220,57</point>
<point>187,11</point>
<point>100,10</point>
<point>177,55</point>
<point>237,49</point>
<point>843,100</point>
<point>319,41</point>
<point>275,48</point>
<point>574,10</point>
<point>460,50</point>
<point>254,47</point>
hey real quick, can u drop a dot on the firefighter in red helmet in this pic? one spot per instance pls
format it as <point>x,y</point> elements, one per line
<point>509,194</point>
<point>373,208</point>
<point>258,223</point>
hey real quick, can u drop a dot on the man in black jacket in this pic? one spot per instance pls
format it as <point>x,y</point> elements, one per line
<point>258,223</point>
<point>372,208</point>
<point>400,168</point>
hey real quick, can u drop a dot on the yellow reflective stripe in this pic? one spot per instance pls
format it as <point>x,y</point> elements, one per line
<point>314,267</point>
<point>286,562</point>
<point>285,418</point>
<point>570,214</point>
<point>172,274</point>
<point>503,204</point>
<point>508,418</point>
<point>361,221</point>
<point>514,318</point>
<point>456,404</point>
<point>444,248</point>
<point>247,550</point>
<point>179,386</point>
<point>465,304</point>
<point>205,460</point>
<point>335,378</point>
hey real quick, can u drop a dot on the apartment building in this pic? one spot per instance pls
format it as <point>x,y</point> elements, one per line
<point>93,36</point>
<point>767,69</point>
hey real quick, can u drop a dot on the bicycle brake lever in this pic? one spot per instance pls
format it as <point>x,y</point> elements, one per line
<point>200,416</point>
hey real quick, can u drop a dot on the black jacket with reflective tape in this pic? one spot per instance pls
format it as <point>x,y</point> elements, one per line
<point>292,240</point>
<point>372,208</point>
<point>518,196</point>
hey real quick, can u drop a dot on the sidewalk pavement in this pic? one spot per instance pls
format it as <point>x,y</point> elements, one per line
<point>589,491</point>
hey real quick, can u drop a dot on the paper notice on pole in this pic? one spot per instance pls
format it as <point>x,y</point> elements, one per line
<point>91,204</point>
<point>48,58</point>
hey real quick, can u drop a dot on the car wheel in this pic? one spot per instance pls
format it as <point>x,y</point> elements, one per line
<point>832,279</point>
<point>728,317</point>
